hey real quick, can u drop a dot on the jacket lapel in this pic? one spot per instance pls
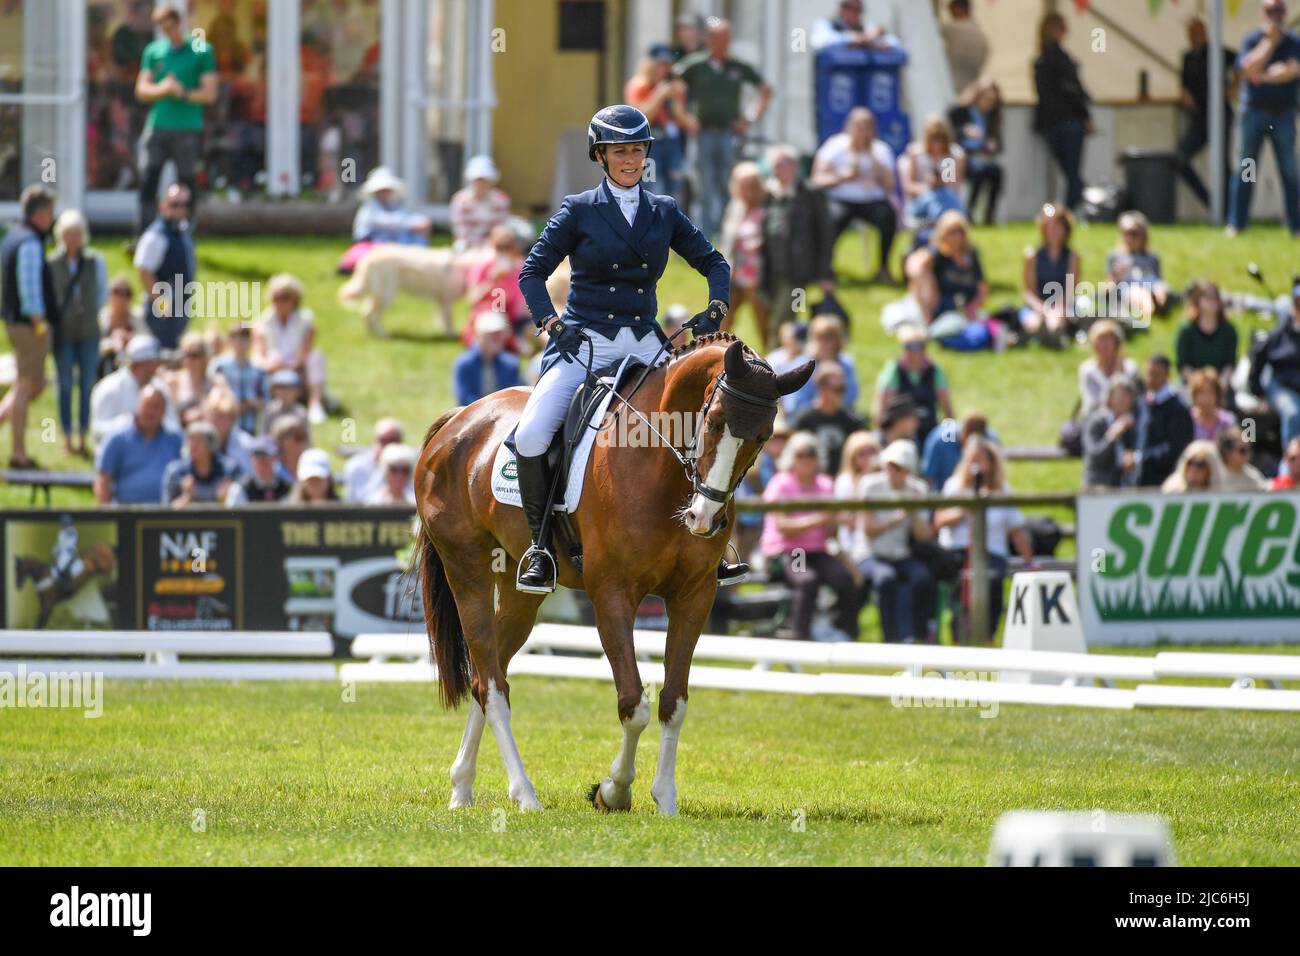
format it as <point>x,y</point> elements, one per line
<point>641,221</point>
<point>609,210</point>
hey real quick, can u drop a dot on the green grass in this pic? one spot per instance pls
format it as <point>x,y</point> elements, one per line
<point>291,774</point>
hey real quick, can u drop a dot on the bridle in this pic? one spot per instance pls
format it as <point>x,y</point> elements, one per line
<point>691,460</point>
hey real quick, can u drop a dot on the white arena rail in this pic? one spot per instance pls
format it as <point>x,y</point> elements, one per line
<point>160,654</point>
<point>931,672</point>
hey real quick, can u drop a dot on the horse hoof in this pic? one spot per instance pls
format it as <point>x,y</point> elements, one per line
<point>460,799</point>
<point>608,805</point>
<point>667,804</point>
<point>528,803</point>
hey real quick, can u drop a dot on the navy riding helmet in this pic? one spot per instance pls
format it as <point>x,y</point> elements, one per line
<point>618,124</point>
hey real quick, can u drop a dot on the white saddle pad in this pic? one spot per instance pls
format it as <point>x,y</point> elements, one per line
<point>505,476</point>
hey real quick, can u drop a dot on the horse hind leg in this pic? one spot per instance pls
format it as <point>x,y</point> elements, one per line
<point>465,766</point>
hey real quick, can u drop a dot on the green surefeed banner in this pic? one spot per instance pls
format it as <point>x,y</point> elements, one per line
<point>1192,568</point>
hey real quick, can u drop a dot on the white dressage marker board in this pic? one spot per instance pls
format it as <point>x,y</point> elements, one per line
<point>1042,616</point>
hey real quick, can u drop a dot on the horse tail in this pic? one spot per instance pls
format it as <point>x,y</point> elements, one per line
<point>441,617</point>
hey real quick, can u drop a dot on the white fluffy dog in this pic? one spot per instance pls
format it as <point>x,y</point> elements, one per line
<point>390,268</point>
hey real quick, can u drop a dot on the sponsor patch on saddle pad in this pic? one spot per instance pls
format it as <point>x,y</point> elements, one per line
<point>505,471</point>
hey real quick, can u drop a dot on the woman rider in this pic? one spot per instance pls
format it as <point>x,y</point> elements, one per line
<point>617,238</point>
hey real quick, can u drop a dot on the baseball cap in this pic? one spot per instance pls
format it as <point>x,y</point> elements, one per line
<point>491,322</point>
<point>662,52</point>
<point>264,446</point>
<point>143,348</point>
<point>901,453</point>
<point>286,377</point>
<point>313,463</point>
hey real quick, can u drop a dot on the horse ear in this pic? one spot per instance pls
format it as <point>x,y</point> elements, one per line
<point>733,361</point>
<point>790,382</point>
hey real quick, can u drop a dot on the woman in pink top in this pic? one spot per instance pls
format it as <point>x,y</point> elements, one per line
<point>494,286</point>
<point>799,539</point>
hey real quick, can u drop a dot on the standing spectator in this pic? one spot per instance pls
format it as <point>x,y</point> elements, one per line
<point>931,165</point>
<point>189,385</point>
<point>1199,469</point>
<point>165,261</point>
<point>265,481</point>
<point>914,375</point>
<point>1110,436</point>
<point>714,81</point>
<point>202,476</point>
<point>361,473</point>
<point>977,120</point>
<point>29,305</point>
<point>1051,276</point>
<point>855,169</point>
<point>688,35</point>
<point>315,484</point>
<point>899,421</point>
<point>487,366</point>
<point>942,449</point>
<point>1238,473</point>
<point>1106,339</point>
<point>119,320</point>
<point>662,98</point>
<point>131,462</point>
<point>797,238</point>
<point>479,206</point>
<point>848,28</point>
<point>1062,115</point>
<point>800,539</point>
<point>1195,100</point>
<point>965,45</point>
<point>904,586</point>
<point>1135,270</point>
<point>285,339</point>
<point>116,397</point>
<point>80,288</point>
<point>1280,356</point>
<point>1206,339</point>
<point>396,471</point>
<point>248,382</point>
<point>1164,424</point>
<point>292,438</point>
<point>177,78</point>
<point>1289,479</point>
<point>827,418</point>
<point>1270,81</point>
<point>947,280</point>
<point>980,470</point>
<point>826,345</point>
<point>1209,417</point>
<point>742,246</point>
<point>383,216</point>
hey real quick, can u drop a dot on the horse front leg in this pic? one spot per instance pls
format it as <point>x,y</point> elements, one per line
<point>614,618</point>
<point>687,615</point>
<point>465,766</point>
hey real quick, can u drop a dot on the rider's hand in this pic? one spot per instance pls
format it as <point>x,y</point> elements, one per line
<point>566,342</point>
<point>710,320</point>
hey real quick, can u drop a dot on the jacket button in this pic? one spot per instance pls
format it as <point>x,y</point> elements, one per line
<point>638,318</point>
<point>610,316</point>
<point>611,288</point>
<point>640,291</point>
<point>616,265</point>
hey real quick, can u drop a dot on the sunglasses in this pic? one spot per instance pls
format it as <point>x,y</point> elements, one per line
<point>914,347</point>
<point>1196,462</point>
<point>805,454</point>
<point>122,292</point>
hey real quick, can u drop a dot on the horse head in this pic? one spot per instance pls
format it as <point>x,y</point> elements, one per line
<point>737,419</point>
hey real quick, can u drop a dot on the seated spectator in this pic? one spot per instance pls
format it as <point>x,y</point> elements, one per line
<point>1209,417</point>
<point>1106,339</point>
<point>265,481</point>
<point>914,375</point>
<point>189,385</point>
<point>285,338</point>
<point>797,238</point>
<point>1279,357</point>
<point>749,524</point>
<point>233,443</point>
<point>1199,468</point>
<point>934,164</point>
<point>742,246</point>
<point>80,281</point>
<point>947,281</point>
<point>977,120</point>
<point>115,400</point>
<point>315,484</point>
<point>1110,437</point>
<point>479,206</point>
<point>899,421</point>
<point>826,417</point>
<point>248,382</point>
<point>1238,473</point>
<point>493,286</point>
<point>166,264</point>
<point>486,367</point>
<point>292,438</point>
<point>286,386</point>
<point>981,469</point>
<point>674,317</point>
<point>792,335</point>
<point>860,458</point>
<point>904,586</point>
<point>849,29</point>
<point>1206,339</point>
<point>826,345</point>
<point>856,172</point>
<point>383,216</point>
<point>362,477</point>
<point>119,320</point>
<point>1289,477</point>
<point>131,462</point>
<point>203,476</point>
<point>1135,270</point>
<point>942,448</point>
<point>799,540</point>
<point>1051,276</point>
<point>1164,424</point>
<point>396,472</point>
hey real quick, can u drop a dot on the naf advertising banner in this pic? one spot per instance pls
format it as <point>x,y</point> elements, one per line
<point>1191,568</point>
<point>334,568</point>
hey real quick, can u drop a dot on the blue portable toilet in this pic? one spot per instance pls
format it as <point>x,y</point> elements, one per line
<point>848,76</point>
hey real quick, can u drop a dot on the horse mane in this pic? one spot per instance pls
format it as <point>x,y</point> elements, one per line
<point>714,338</point>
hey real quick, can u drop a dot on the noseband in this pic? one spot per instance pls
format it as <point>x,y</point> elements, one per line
<point>691,459</point>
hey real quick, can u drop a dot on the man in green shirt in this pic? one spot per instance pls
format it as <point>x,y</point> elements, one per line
<point>178,77</point>
<point>714,82</point>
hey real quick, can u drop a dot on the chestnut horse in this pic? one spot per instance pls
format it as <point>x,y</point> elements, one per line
<point>648,520</point>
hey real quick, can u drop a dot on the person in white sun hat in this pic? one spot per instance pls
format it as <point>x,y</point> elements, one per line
<point>383,216</point>
<point>480,206</point>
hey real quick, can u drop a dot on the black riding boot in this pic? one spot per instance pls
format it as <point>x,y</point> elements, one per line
<point>537,567</point>
<point>729,573</point>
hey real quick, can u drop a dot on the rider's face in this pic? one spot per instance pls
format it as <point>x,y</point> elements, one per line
<point>625,162</point>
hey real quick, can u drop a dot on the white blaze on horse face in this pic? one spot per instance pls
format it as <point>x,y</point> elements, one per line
<point>700,514</point>
<point>497,714</point>
<point>664,788</point>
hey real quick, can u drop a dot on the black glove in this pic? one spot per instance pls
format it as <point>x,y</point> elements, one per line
<point>566,341</point>
<point>710,320</point>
